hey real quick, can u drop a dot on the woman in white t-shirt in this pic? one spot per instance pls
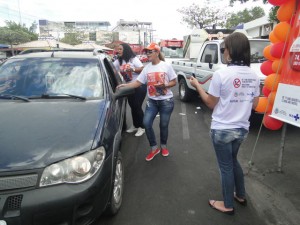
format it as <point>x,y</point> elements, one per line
<point>159,77</point>
<point>232,95</point>
<point>130,66</point>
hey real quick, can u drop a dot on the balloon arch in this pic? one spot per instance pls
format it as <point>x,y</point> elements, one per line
<point>274,53</point>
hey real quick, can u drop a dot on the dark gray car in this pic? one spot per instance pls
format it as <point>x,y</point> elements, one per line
<point>61,120</point>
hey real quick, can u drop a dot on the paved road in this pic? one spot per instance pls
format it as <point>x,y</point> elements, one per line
<point>175,190</point>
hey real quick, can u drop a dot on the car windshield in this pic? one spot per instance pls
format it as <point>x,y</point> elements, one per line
<point>35,77</point>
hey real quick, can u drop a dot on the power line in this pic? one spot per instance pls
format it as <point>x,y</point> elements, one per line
<point>12,13</point>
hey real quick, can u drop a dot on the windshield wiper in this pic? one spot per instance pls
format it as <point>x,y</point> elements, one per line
<point>13,97</point>
<point>62,95</point>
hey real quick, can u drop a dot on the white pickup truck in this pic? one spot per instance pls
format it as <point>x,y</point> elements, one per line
<point>209,60</point>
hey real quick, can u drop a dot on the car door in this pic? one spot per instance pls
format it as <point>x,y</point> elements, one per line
<point>114,79</point>
<point>207,64</point>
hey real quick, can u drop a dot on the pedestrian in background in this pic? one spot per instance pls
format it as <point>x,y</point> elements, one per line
<point>159,77</point>
<point>130,66</point>
<point>232,95</point>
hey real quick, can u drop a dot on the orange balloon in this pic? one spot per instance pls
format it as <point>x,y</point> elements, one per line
<point>286,11</point>
<point>272,81</point>
<point>282,31</point>
<point>271,97</point>
<point>263,105</point>
<point>267,53</point>
<point>273,38</point>
<point>271,123</point>
<point>265,91</point>
<point>278,50</point>
<point>277,66</point>
<point>277,2</point>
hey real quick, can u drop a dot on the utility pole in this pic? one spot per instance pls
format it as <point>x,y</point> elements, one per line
<point>20,13</point>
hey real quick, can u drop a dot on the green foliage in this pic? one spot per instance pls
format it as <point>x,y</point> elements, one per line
<point>241,1</point>
<point>9,36</point>
<point>200,18</point>
<point>272,12</point>
<point>244,16</point>
<point>19,32</point>
<point>14,33</point>
<point>72,38</point>
<point>194,16</point>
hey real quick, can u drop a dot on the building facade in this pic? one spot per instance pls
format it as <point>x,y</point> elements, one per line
<point>91,30</point>
<point>134,32</point>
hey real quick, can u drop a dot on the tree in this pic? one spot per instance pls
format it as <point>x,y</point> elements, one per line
<point>244,16</point>
<point>71,38</point>
<point>18,27</point>
<point>241,1</point>
<point>14,33</point>
<point>272,13</point>
<point>11,37</point>
<point>200,18</point>
<point>33,27</point>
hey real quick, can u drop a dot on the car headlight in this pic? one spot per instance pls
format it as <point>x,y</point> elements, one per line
<point>74,170</point>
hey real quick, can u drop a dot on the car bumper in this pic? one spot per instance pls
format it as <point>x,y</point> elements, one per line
<point>64,204</point>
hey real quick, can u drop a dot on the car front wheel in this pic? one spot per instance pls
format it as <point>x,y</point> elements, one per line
<point>185,94</point>
<point>118,187</point>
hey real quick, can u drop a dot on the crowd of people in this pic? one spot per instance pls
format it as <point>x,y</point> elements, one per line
<point>229,126</point>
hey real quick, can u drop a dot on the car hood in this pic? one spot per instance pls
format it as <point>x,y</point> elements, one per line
<point>36,134</point>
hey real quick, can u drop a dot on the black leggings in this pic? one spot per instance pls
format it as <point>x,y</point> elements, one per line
<point>135,102</point>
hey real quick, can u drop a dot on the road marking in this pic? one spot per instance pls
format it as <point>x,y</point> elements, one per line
<point>185,127</point>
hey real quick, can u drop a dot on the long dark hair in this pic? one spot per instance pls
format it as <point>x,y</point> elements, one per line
<point>238,47</point>
<point>127,54</point>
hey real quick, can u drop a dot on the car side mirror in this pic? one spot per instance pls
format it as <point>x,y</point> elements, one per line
<point>123,92</point>
<point>208,59</point>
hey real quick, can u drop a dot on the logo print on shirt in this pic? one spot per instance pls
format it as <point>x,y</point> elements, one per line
<point>237,83</point>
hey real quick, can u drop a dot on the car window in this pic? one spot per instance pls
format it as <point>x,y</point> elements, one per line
<point>113,75</point>
<point>256,48</point>
<point>35,77</point>
<point>210,54</point>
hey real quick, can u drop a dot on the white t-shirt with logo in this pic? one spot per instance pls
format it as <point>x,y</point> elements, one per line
<point>133,63</point>
<point>156,75</point>
<point>236,87</point>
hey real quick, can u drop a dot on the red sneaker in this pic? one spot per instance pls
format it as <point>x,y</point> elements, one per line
<point>151,155</point>
<point>164,152</point>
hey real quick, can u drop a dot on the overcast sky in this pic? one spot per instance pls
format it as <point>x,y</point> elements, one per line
<point>166,21</point>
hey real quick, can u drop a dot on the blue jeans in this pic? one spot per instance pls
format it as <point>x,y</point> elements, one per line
<point>226,144</point>
<point>165,109</point>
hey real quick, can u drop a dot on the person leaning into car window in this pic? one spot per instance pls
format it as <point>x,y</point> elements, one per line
<point>130,66</point>
<point>159,77</point>
<point>232,95</point>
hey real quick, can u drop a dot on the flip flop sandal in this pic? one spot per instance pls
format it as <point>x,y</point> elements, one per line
<point>231,212</point>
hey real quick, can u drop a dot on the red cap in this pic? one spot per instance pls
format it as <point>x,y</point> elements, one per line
<point>152,46</point>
